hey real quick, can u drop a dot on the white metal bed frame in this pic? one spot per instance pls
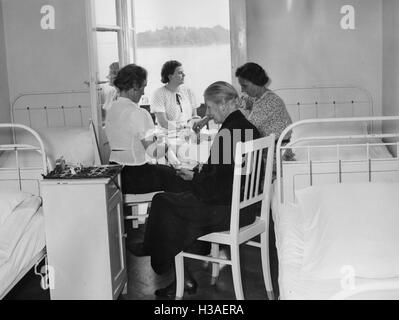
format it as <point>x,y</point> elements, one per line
<point>326,101</point>
<point>294,175</point>
<point>329,104</point>
<point>52,109</point>
<point>21,148</point>
<point>371,167</point>
<point>66,108</point>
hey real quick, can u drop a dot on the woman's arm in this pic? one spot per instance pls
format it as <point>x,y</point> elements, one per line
<point>154,148</point>
<point>162,120</point>
<point>198,125</point>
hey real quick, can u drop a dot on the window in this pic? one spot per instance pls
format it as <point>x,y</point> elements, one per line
<point>114,33</point>
<point>187,31</point>
<point>150,32</point>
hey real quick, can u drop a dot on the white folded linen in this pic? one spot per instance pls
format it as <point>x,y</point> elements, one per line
<point>14,226</point>
<point>10,200</point>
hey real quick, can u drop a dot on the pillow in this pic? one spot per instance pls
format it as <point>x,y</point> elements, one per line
<point>9,200</point>
<point>325,129</point>
<point>73,143</point>
<point>352,225</point>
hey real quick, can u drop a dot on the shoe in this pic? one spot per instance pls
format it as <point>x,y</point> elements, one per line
<point>190,286</point>
<point>137,249</point>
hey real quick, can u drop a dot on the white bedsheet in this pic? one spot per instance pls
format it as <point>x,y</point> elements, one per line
<point>15,225</point>
<point>293,284</point>
<point>31,243</point>
<point>327,151</point>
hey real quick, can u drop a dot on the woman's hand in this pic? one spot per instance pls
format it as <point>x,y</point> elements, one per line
<point>185,174</point>
<point>198,125</point>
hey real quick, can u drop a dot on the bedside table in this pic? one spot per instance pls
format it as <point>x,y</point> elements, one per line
<point>85,237</point>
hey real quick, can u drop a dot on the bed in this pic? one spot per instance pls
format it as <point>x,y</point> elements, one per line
<point>47,126</point>
<point>62,120</point>
<point>22,238</point>
<point>339,169</point>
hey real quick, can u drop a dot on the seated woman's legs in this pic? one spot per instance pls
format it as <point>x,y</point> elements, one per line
<point>150,178</point>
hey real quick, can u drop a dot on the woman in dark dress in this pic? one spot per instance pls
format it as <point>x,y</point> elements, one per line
<point>176,220</point>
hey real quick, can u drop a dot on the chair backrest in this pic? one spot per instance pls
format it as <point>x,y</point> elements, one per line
<point>148,108</point>
<point>252,177</point>
<point>97,153</point>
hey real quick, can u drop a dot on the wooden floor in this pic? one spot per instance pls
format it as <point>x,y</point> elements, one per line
<point>143,281</point>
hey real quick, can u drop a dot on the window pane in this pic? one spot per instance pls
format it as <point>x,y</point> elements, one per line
<point>187,31</point>
<point>130,12</point>
<point>107,49</point>
<point>105,12</point>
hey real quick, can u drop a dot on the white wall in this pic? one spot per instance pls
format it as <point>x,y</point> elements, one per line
<point>4,94</point>
<point>45,60</point>
<point>5,136</point>
<point>301,43</point>
<point>390,65</point>
<point>390,61</point>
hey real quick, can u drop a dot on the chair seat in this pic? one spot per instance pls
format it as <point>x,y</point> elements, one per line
<point>246,233</point>
<point>139,197</point>
<point>133,201</point>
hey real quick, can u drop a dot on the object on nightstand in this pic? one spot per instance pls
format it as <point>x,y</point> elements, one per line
<point>63,171</point>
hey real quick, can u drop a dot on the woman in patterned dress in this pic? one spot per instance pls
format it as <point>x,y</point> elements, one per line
<point>264,108</point>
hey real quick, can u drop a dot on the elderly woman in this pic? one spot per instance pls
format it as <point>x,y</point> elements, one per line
<point>173,103</point>
<point>176,220</point>
<point>129,130</point>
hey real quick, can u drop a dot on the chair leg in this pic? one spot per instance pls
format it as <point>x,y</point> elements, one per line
<point>135,211</point>
<point>179,266</point>
<point>215,265</point>
<point>142,212</point>
<point>236,271</point>
<point>124,291</point>
<point>264,247</point>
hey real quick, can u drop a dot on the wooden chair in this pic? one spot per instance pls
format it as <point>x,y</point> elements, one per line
<point>131,204</point>
<point>247,174</point>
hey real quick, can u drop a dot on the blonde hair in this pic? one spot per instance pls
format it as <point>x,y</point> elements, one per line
<point>220,92</point>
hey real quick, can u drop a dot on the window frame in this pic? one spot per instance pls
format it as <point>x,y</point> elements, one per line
<point>127,44</point>
<point>125,33</point>
<point>127,38</point>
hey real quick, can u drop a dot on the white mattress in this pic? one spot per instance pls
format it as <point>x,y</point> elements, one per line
<point>27,159</point>
<point>293,284</point>
<point>32,242</point>
<point>328,152</point>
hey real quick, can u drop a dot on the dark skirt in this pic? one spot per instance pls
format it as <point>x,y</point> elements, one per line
<point>176,220</point>
<point>151,177</point>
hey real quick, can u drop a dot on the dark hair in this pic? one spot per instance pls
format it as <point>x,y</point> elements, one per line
<point>130,76</point>
<point>169,68</point>
<point>254,73</point>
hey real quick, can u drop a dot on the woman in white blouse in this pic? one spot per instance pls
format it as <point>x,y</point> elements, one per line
<point>174,103</point>
<point>130,132</point>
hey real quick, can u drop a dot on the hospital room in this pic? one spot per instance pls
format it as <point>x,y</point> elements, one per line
<point>199,150</point>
